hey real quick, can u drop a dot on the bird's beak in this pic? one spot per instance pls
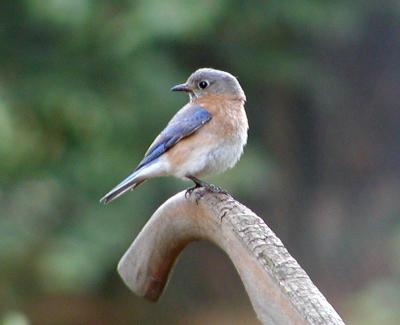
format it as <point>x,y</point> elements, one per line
<point>182,87</point>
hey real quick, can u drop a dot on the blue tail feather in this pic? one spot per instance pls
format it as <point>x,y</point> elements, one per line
<point>130,182</point>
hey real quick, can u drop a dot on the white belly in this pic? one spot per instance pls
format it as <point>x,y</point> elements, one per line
<point>213,159</point>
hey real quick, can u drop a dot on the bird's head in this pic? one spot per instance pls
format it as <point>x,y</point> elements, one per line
<point>207,81</point>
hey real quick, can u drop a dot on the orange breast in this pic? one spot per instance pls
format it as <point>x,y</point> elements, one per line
<point>228,122</point>
<point>228,115</point>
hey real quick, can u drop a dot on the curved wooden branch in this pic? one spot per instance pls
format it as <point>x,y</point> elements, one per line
<point>279,289</point>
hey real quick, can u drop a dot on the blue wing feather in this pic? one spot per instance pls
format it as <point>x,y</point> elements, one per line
<point>183,124</point>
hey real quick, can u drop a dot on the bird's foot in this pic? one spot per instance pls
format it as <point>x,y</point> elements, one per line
<point>197,184</point>
<point>206,186</point>
<point>190,190</point>
<point>214,189</point>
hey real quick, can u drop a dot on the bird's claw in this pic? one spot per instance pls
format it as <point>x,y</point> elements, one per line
<point>211,188</point>
<point>215,189</point>
<point>205,186</point>
<point>190,190</point>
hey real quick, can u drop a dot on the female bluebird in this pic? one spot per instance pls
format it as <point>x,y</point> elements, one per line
<point>205,137</point>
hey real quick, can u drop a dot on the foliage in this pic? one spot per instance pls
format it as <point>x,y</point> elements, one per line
<point>84,90</point>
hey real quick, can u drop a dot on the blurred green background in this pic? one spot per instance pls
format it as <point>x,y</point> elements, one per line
<point>84,89</point>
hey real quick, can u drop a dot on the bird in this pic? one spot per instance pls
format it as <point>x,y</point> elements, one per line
<point>205,137</point>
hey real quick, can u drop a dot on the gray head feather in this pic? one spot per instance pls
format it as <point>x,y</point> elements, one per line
<point>209,81</point>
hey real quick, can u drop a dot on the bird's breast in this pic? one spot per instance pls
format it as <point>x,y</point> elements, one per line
<point>216,146</point>
<point>228,116</point>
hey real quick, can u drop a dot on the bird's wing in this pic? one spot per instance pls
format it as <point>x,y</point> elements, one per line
<point>188,120</point>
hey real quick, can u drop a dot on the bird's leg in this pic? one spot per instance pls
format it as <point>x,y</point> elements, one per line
<point>197,183</point>
<point>208,187</point>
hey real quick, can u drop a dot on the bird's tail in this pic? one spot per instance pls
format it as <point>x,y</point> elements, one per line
<point>132,181</point>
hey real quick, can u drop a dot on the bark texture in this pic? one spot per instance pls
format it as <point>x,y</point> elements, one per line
<point>279,289</point>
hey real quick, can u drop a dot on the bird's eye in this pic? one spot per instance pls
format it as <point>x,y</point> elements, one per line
<point>203,84</point>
